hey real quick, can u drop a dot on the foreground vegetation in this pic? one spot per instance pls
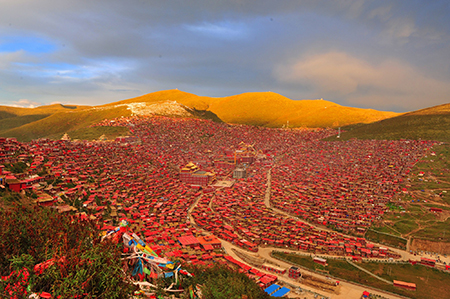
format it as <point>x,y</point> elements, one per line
<point>43,251</point>
<point>221,282</point>
<point>431,283</point>
<point>78,264</point>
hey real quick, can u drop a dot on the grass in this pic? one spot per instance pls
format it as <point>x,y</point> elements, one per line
<point>379,237</point>
<point>93,133</point>
<point>432,124</point>
<point>337,268</point>
<point>8,112</point>
<point>32,235</point>
<point>274,110</point>
<point>185,98</point>
<point>386,229</point>
<point>393,207</point>
<point>436,231</point>
<point>5,114</point>
<point>436,170</point>
<point>430,205</point>
<point>405,226</point>
<point>427,184</point>
<point>17,121</point>
<point>62,122</point>
<point>431,283</point>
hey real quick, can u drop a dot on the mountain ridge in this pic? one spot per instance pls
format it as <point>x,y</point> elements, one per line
<point>273,109</point>
<point>252,108</point>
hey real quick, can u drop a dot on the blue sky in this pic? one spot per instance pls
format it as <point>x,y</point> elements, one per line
<point>385,55</point>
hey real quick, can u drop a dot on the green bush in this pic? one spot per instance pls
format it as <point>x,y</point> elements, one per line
<point>18,167</point>
<point>221,282</point>
<point>80,264</point>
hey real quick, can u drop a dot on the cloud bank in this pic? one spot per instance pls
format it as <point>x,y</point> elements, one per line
<point>377,54</point>
<point>361,83</point>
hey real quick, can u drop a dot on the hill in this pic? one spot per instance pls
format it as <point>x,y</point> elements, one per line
<point>428,124</point>
<point>274,110</point>
<point>26,128</point>
<point>13,117</point>
<point>53,121</point>
<point>255,108</point>
<point>266,109</point>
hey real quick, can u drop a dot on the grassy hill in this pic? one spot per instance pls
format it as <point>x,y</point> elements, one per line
<point>53,121</point>
<point>184,98</point>
<point>428,124</point>
<point>12,118</point>
<point>255,108</point>
<point>267,109</point>
<point>56,124</point>
<point>274,110</point>
<point>11,112</point>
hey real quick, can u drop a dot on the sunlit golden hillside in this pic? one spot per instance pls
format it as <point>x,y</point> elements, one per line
<point>255,108</point>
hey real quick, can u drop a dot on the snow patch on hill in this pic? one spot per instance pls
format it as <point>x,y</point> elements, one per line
<point>164,108</point>
<point>169,108</point>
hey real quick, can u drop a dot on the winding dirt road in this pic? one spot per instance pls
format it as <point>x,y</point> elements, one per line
<point>346,290</point>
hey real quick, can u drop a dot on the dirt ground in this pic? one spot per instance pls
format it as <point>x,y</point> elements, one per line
<point>430,246</point>
<point>304,295</point>
<point>320,283</point>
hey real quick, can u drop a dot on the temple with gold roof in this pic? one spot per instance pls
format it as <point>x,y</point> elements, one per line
<point>191,174</point>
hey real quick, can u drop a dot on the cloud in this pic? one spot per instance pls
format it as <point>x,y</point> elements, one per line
<point>400,31</point>
<point>24,103</point>
<point>101,51</point>
<point>221,30</point>
<point>8,59</point>
<point>388,83</point>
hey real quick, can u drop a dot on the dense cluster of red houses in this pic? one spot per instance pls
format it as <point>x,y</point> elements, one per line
<point>342,184</point>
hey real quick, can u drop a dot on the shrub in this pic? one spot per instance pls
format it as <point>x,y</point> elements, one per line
<point>221,282</point>
<point>78,264</point>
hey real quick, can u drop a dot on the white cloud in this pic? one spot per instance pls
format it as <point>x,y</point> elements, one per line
<point>388,83</point>
<point>221,30</point>
<point>24,103</point>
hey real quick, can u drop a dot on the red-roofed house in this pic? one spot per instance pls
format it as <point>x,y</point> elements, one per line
<point>188,241</point>
<point>210,240</point>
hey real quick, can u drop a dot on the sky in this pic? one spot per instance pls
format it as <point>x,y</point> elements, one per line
<point>384,55</point>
